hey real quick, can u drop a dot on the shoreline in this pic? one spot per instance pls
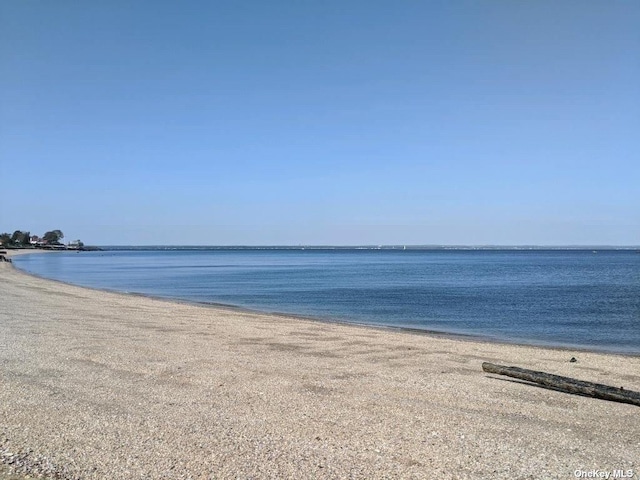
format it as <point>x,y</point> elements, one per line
<point>415,331</point>
<point>98,384</point>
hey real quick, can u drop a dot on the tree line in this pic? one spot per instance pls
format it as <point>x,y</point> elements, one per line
<point>23,239</point>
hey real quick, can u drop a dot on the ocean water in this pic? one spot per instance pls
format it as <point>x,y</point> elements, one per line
<point>572,298</point>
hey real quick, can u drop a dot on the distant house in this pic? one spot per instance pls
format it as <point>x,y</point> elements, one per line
<point>36,241</point>
<point>75,245</point>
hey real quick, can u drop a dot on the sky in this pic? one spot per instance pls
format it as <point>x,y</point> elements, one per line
<point>322,122</point>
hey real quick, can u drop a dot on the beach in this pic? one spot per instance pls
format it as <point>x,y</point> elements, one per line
<point>100,385</point>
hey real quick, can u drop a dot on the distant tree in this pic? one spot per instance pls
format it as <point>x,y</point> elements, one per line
<point>53,237</point>
<point>20,238</point>
<point>5,239</point>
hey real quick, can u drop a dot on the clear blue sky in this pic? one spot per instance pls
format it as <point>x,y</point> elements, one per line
<point>333,122</point>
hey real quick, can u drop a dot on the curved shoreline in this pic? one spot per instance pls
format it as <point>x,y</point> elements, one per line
<point>106,385</point>
<point>339,321</point>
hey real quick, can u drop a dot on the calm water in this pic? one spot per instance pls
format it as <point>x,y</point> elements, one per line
<point>564,298</point>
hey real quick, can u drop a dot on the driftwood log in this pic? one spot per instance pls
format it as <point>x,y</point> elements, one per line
<point>566,384</point>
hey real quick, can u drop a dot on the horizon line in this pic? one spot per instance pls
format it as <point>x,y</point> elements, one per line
<point>388,246</point>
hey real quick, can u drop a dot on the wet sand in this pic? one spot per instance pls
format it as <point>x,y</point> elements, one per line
<point>103,385</point>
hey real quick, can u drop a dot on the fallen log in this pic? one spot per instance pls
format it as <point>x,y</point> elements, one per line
<point>566,384</point>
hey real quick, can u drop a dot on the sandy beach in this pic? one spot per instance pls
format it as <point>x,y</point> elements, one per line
<point>98,385</point>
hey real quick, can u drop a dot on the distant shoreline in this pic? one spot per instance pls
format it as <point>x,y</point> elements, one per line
<point>371,247</point>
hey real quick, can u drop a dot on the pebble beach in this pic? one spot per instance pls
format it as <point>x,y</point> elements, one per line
<point>98,385</point>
